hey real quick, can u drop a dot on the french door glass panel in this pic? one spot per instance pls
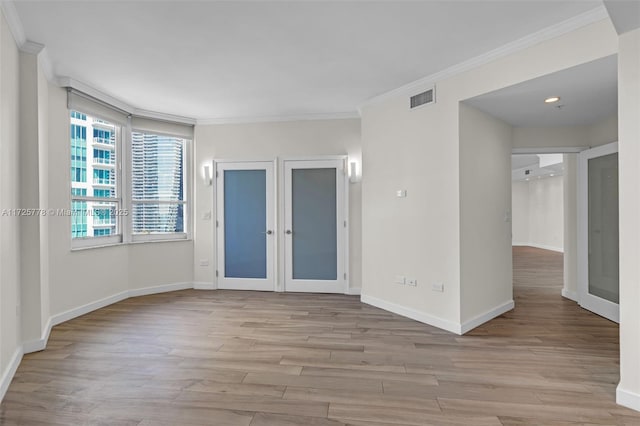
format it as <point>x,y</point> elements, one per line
<point>598,233</point>
<point>314,214</point>
<point>245,225</point>
<point>603,227</point>
<point>314,219</point>
<point>245,212</point>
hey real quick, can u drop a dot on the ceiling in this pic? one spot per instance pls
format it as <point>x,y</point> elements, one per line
<point>588,92</point>
<point>211,59</point>
<point>525,167</point>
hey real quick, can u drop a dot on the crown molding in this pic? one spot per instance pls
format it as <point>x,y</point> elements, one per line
<point>279,118</point>
<point>160,116</point>
<point>15,24</point>
<point>31,47</point>
<point>553,31</point>
<point>24,45</point>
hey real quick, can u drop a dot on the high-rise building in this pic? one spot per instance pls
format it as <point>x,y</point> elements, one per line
<point>157,175</point>
<point>93,174</point>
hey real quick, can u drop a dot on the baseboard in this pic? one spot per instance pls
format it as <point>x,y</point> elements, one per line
<point>540,246</point>
<point>38,344</point>
<point>354,291</point>
<point>159,289</point>
<point>486,316</point>
<point>89,307</point>
<point>41,344</point>
<point>412,313</point>
<point>200,285</point>
<point>627,398</point>
<point>9,372</point>
<point>571,295</point>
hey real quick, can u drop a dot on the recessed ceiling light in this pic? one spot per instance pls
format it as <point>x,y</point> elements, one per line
<point>551,175</point>
<point>552,99</point>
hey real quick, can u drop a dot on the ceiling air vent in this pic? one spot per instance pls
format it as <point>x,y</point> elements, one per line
<point>422,99</point>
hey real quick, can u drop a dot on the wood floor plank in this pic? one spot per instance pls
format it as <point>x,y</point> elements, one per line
<point>198,358</point>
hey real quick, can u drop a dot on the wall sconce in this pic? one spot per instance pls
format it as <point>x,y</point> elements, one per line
<point>208,176</point>
<point>353,172</point>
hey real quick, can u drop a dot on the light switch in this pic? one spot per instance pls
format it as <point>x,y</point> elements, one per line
<point>401,193</point>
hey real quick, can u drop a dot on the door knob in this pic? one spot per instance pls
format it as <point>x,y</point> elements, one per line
<point>288,232</point>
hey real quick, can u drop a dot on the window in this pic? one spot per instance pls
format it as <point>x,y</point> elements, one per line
<point>144,199</point>
<point>157,185</point>
<point>94,201</point>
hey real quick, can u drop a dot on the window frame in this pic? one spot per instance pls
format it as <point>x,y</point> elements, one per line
<point>118,200</point>
<point>186,190</point>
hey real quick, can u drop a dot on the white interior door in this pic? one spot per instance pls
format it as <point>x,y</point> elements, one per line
<point>598,233</point>
<point>315,226</point>
<point>245,225</point>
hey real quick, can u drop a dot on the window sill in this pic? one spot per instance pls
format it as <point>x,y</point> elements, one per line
<point>107,245</point>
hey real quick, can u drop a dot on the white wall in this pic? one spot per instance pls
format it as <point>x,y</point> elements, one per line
<point>267,141</point>
<point>546,217</point>
<point>599,133</point>
<point>485,198</point>
<point>629,160</point>
<point>418,150</point>
<point>10,339</point>
<point>520,213</point>
<point>81,277</point>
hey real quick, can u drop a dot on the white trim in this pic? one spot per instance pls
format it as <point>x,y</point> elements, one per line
<point>570,294</point>
<point>413,314</point>
<point>15,24</point>
<point>159,289</point>
<point>94,93</point>
<point>556,30</point>
<point>353,291</point>
<point>89,307</point>
<point>341,284</point>
<point>546,247</point>
<point>549,150</point>
<point>203,285</point>
<point>260,284</point>
<point>627,398</point>
<point>595,304</point>
<point>486,316</point>
<point>10,371</point>
<point>31,47</point>
<point>278,118</point>
<point>38,344</point>
<point>161,116</point>
<point>540,246</point>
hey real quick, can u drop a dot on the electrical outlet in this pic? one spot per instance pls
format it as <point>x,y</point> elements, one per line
<point>400,279</point>
<point>412,282</point>
<point>437,287</point>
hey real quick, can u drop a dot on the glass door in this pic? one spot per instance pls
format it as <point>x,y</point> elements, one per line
<point>599,232</point>
<point>314,226</point>
<point>245,225</point>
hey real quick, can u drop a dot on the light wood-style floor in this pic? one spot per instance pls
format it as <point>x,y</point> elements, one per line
<point>249,358</point>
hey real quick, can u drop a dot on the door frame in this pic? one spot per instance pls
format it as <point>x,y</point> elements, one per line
<point>343,261</point>
<point>218,241</point>
<point>592,303</point>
